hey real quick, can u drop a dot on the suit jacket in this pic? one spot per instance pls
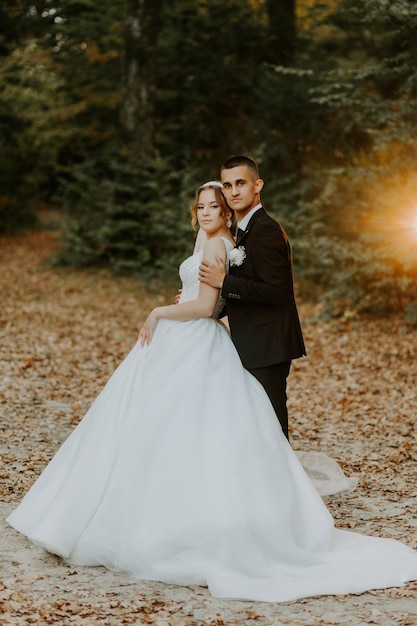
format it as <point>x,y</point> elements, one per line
<point>259,294</point>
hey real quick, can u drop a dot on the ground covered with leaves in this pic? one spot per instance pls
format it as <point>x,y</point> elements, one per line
<point>62,334</point>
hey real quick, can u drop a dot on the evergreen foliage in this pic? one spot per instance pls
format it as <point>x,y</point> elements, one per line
<point>207,76</point>
<point>356,150</point>
<point>121,215</point>
<point>326,104</point>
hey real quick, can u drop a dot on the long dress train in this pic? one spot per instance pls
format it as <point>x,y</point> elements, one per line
<point>179,472</point>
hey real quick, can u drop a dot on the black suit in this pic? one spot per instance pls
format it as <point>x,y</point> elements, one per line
<point>261,308</point>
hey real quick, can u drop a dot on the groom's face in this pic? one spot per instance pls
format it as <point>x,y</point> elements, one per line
<point>241,189</point>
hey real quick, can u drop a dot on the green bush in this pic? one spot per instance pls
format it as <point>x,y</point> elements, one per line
<point>130,217</point>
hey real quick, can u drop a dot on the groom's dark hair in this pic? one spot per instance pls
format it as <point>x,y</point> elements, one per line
<point>237,161</point>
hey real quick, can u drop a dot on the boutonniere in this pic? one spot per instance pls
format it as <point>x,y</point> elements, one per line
<point>237,255</point>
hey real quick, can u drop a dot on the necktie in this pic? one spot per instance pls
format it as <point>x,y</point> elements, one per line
<point>240,234</point>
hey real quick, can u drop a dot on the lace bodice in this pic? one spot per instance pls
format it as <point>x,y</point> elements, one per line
<point>189,277</point>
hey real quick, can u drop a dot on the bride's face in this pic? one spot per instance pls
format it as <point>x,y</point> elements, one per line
<point>209,213</point>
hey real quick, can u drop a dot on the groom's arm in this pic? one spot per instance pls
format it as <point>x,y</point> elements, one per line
<point>271,264</point>
<point>212,273</point>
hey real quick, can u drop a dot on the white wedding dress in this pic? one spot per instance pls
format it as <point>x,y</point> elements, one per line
<point>179,472</point>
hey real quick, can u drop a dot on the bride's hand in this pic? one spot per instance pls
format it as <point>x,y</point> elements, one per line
<point>147,330</point>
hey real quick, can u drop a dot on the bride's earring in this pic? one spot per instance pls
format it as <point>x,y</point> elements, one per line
<point>229,223</point>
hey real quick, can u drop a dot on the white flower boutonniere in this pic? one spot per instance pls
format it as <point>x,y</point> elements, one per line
<point>237,255</point>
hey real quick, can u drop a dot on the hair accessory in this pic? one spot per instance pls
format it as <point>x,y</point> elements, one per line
<point>213,183</point>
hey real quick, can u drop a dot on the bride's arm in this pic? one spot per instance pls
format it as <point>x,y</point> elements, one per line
<point>203,306</point>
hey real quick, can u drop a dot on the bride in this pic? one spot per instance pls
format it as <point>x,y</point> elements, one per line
<point>180,472</point>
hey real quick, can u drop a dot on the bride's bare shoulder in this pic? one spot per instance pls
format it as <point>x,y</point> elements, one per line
<point>217,245</point>
<point>214,248</point>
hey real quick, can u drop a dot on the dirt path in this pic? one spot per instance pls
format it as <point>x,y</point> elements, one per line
<point>61,335</point>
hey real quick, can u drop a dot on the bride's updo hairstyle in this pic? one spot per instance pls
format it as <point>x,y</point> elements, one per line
<point>220,199</point>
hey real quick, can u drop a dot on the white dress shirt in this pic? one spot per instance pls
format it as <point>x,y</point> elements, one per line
<point>245,221</point>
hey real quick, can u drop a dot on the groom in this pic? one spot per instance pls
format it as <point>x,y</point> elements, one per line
<point>258,289</point>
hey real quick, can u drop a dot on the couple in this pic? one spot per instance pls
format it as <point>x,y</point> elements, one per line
<point>258,286</point>
<point>180,471</point>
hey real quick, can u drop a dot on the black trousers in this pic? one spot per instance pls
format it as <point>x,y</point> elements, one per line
<point>274,380</point>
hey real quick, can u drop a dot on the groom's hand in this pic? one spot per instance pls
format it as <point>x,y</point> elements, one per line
<point>212,273</point>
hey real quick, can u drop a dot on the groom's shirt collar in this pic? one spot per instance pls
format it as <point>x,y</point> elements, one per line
<point>244,223</point>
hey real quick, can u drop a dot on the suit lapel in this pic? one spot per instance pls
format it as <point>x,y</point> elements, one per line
<point>255,216</point>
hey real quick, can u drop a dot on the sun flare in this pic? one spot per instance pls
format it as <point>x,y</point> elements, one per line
<point>390,229</point>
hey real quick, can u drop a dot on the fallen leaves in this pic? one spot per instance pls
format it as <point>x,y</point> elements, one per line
<point>355,399</point>
<point>112,612</point>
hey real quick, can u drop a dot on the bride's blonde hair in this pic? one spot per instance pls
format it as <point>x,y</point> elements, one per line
<point>220,199</point>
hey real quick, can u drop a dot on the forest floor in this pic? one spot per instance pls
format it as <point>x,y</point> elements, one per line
<point>354,397</point>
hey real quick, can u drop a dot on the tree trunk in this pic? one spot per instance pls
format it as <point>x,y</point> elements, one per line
<point>137,108</point>
<point>282,31</point>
